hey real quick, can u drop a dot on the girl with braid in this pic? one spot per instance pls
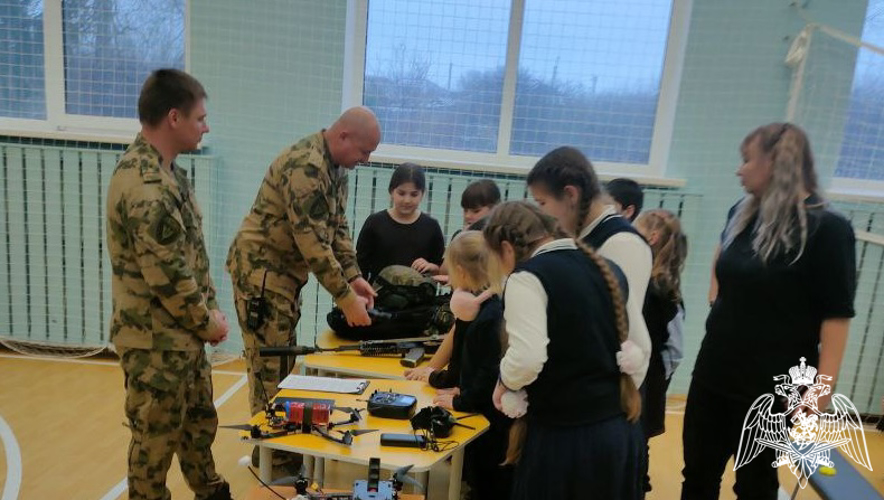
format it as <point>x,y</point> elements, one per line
<point>565,323</point>
<point>564,185</point>
<point>786,273</point>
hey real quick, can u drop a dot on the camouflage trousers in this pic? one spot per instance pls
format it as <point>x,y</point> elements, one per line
<point>278,330</point>
<point>170,411</point>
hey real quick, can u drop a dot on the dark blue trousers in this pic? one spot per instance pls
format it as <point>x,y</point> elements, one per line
<point>595,461</point>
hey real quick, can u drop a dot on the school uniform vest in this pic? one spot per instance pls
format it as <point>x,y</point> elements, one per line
<point>580,381</point>
<point>609,226</point>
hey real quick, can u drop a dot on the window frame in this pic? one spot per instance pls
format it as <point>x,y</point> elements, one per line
<point>502,160</point>
<point>855,188</point>
<point>59,124</point>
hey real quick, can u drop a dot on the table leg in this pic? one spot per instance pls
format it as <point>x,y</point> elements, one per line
<point>424,479</point>
<point>455,474</point>
<point>319,471</point>
<point>308,466</point>
<point>265,463</point>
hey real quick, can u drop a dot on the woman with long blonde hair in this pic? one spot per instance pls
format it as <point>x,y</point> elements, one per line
<point>565,320</point>
<point>786,275</point>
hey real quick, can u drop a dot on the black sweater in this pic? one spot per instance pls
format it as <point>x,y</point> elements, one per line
<point>475,360</point>
<point>767,316</point>
<point>383,242</point>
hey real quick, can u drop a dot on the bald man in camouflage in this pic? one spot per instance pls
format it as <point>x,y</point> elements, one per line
<point>297,226</point>
<point>164,308</point>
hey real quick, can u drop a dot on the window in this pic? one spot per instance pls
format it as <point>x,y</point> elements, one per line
<point>89,70</point>
<point>500,84</point>
<point>862,149</point>
<point>22,92</point>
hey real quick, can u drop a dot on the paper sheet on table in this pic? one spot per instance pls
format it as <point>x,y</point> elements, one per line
<point>324,384</point>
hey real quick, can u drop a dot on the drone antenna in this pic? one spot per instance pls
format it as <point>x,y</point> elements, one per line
<point>263,389</point>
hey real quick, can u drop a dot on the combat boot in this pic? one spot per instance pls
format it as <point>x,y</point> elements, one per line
<point>222,493</point>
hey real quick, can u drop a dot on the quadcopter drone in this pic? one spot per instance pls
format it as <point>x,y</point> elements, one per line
<point>371,489</point>
<point>286,416</point>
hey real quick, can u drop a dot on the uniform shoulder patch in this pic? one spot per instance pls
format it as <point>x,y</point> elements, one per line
<point>166,228</point>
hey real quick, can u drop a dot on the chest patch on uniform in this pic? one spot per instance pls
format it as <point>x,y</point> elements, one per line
<point>166,229</point>
<point>318,208</point>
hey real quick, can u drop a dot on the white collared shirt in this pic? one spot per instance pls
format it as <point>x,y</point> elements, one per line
<point>525,318</point>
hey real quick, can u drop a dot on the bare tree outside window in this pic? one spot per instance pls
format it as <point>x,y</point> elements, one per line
<point>22,85</point>
<point>434,71</point>
<point>112,45</point>
<point>589,75</point>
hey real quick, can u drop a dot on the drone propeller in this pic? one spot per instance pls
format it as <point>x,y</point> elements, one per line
<point>346,436</point>
<point>349,409</point>
<point>239,427</point>
<point>400,477</point>
<point>354,416</point>
<point>255,431</point>
<point>359,432</point>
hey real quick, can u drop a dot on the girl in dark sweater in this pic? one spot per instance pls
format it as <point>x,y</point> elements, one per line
<point>468,382</point>
<point>401,234</point>
<point>662,230</point>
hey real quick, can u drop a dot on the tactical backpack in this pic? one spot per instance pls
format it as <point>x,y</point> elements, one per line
<point>407,305</point>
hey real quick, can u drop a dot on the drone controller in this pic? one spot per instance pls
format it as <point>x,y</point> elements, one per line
<point>391,405</point>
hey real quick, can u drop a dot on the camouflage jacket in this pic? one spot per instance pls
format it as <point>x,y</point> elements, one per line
<point>297,225</point>
<point>162,291</point>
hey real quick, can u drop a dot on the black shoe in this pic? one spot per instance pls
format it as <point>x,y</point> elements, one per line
<point>222,493</point>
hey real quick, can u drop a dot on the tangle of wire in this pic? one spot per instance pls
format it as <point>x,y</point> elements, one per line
<point>433,444</point>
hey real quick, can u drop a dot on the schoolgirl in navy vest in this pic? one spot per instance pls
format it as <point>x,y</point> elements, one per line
<point>565,323</point>
<point>564,185</point>
<point>786,274</point>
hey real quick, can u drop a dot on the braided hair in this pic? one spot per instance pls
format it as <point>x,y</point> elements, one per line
<point>524,226</point>
<point>567,166</point>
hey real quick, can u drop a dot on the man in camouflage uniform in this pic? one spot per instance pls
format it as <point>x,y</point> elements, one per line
<point>164,307</point>
<point>297,225</point>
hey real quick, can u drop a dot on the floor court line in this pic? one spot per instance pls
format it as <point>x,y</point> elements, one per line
<point>92,362</point>
<point>13,462</point>
<point>121,487</point>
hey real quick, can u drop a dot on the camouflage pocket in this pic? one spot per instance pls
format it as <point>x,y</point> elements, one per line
<point>163,371</point>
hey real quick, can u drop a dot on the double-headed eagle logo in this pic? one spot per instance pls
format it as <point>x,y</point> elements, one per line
<point>813,435</point>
